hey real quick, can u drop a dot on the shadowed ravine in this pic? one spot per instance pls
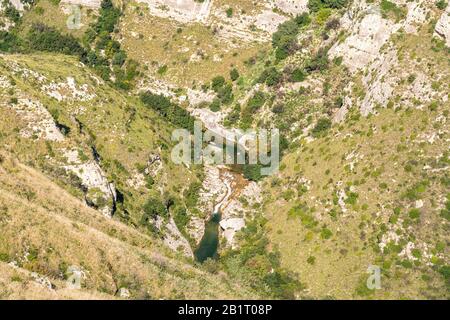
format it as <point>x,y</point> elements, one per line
<point>209,243</point>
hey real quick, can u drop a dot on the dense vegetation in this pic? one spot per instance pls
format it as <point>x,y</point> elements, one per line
<point>44,38</point>
<point>171,111</point>
<point>316,5</point>
<point>105,53</point>
<point>254,264</point>
<point>284,40</point>
<point>98,49</point>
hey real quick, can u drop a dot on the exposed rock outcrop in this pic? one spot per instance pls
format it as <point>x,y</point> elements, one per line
<point>442,29</point>
<point>100,192</point>
<point>39,122</point>
<point>83,3</point>
<point>369,31</point>
<point>173,237</point>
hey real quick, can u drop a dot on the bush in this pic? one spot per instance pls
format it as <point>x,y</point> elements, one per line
<point>181,217</point>
<point>191,195</point>
<point>9,42</point>
<point>278,108</point>
<point>234,74</point>
<point>253,263</point>
<point>256,101</point>
<point>322,126</point>
<point>322,15</point>
<point>332,24</point>
<point>298,75</point>
<point>316,5</point>
<point>119,58</point>
<point>152,209</point>
<point>215,105</point>
<point>441,4</point>
<point>253,105</point>
<point>109,17</point>
<point>326,233</point>
<point>12,13</point>
<point>252,172</point>
<point>270,76</point>
<point>390,8</point>
<point>217,83</point>
<point>414,214</point>
<point>319,62</point>
<point>225,94</point>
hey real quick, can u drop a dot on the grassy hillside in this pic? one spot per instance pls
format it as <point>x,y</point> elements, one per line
<point>46,230</point>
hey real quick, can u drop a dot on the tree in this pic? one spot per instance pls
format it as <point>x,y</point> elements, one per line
<point>152,209</point>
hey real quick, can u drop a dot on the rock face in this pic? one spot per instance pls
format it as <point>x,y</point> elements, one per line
<point>182,11</point>
<point>83,3</point>
<point>266,17</point>
<point>230,227</point>
<point>100,193</point>
<point>69,90</point>
<point>442,29</point>
<point>17,4</point>
<point>234,212</point>
<point>39,121</point>
<point>291,6</point>
<point>416,15</point>
<point>367,37</point>
<point>173,237</point>
<point>213,189</point>
<point>379,82</point>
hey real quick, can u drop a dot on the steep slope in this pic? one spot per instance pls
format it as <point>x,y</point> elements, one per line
<point>372,188</point>
<point>45,230</point>
<point>358,89</point>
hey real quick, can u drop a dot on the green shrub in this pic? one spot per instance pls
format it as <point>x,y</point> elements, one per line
<point>217,83</point>
<point>319,62</point>
<point>225,94</point>
<point>162,70</point>
<point>441,4</point>
<point>322,125</point>
<point>252,172</point>
<point>12,13</point>
<point>316,5</point>
<point>311,260</point>
<point>215,105</point>
<point>298,75</point>
<point>326,233</point>
<point>414,214</point>
<point>10,42</point>
<point>270,76</point>
<point>322,15</point>
<point>389,8</point>
<point>191,195</point>
<point>234,74</point>
<point>152,209</point>
<point>181,217</point>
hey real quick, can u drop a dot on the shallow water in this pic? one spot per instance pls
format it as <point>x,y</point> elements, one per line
<point>209,244</point>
